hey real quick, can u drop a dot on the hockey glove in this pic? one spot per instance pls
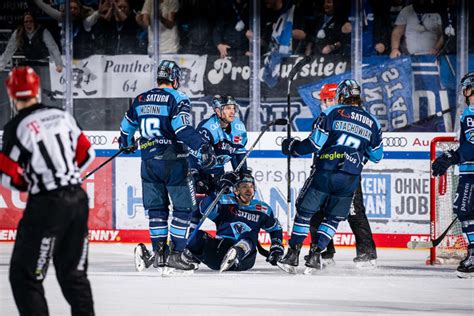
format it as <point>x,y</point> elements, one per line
<point>275,254</point>
<point>207,156</point>
<point>125,146</point>
<point>443,162</point>
<point>288,146</point>
<point>199,183</point>
<point>227,181</point>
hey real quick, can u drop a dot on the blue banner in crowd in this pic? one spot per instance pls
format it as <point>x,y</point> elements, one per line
<point>387,92</point>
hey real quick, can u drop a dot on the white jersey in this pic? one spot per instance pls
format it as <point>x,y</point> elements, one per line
<point>48,147</point>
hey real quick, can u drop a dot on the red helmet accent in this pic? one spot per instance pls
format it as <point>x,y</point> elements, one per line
<point>328,91</point>
<point>22,83</point>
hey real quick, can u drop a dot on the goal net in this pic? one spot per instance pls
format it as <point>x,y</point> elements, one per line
<point>442,193</point>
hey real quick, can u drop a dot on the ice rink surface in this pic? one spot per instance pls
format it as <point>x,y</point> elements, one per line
<point>401,285</point>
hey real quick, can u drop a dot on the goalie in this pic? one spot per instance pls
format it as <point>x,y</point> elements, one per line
<point>464,157</point>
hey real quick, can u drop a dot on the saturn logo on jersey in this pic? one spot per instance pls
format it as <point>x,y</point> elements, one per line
<point>343,113</point>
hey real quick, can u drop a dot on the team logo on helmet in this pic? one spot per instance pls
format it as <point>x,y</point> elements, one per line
<point>347,89</point>
<point>168,70</point>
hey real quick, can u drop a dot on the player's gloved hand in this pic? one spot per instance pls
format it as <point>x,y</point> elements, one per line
<point>288,146</point>
<point>125,146</point>
<point>227,181</point>
<point>199,183</point>
<point>443,162</point>
<point>275,254</point>
<point>207,156</point>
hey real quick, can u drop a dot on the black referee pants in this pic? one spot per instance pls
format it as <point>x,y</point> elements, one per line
<point>359,224</point>
<point>54,225</point>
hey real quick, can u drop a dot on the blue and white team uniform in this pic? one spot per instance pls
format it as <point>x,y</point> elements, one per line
<point>237,225</point>
<point>228,143</point>
<point>162,115</point>
<point>344,138</point>
<point>463,205</point>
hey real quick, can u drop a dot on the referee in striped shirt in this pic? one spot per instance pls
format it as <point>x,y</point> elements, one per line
<point>44,152</point>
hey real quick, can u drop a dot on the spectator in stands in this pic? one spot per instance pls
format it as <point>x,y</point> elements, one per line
<point>83,18</point>
<point>196,21</point>
<point>34,41</point>
<point>448,13</point>
<point>273,10</point>
<point>421,28</point>
<point>117,29</point>
<point>232,23</point>
<point>169,39</point>
<point>325,36</point>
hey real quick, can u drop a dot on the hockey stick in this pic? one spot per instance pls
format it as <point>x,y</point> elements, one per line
<point>221,192</point>
<point>432,243</point>
<point>292,75</point>
<point>118,153</point>
<point>437,114</point>
<point>262,251</point>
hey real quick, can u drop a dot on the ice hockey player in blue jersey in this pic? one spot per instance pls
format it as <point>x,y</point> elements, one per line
<point>238,217</point>
<point>162,115</point>
<point>464,157</point>
<point>345,137</point>
<point>228,136</point>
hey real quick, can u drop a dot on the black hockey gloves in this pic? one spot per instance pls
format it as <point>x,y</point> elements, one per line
<point>275,254</point>
<point>443,162</point>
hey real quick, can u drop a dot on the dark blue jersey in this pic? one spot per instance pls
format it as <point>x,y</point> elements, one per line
<point>163,118</point>
<point>466,142</point>
<point>236,221</point>
<point>344,137</point>
<point>229,144</point>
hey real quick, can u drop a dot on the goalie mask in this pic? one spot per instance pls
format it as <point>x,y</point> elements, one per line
<point>348,92</point>
<point>467,86</point>
<point>169,71</point>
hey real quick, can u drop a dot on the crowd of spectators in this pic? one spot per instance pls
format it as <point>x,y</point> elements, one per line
<point>222,27</point>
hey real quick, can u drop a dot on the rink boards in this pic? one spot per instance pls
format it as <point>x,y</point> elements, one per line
<point>396,191</point>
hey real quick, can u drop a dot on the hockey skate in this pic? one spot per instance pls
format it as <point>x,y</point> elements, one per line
<point>290,261</point>
<point>160,255</point>
<point>465,269</point>
<point>178,263</point>
<point>143,258</point>
<point>365,261</point>
<point>231,258</point>
<point>314,261</point>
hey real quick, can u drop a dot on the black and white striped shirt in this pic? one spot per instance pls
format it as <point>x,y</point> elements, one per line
<point>48,147</point>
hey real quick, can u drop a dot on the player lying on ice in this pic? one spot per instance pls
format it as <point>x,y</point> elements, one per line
<point>238,217</point>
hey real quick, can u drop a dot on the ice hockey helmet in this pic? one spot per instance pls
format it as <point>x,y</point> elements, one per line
<point>169,71</point>
<point>328,91</point>
<point>347,89</point>
<point>22,83</point>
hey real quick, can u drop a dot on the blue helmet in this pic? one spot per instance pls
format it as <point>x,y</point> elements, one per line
<point>467,83</point>
<point>169,71</point>
<point>348,89</point>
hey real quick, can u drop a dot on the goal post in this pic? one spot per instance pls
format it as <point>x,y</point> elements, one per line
<point>442,194</point>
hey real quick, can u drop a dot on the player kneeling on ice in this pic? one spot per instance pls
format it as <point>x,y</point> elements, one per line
<point>345,137</point>
<point>238,217</point>
<point>464,157</point>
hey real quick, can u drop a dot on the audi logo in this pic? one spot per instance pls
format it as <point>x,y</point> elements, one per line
<point>279,139</point>
<point>394,141</point>
<point>97,139</point>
